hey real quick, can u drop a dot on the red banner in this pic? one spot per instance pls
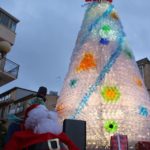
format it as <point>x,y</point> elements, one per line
<point>97,0</point>
<point>143,145</point>
<point>118,142</point>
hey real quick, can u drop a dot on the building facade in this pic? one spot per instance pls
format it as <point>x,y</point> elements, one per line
<point>144,67</point>
<point>16,100</point>
<point>8,69</point>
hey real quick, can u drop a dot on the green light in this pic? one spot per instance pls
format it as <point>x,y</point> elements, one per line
<point>128,53</point>
<point>73,83</point>
<point>106,28</point>
<point>111,126</point>
<point>107,32</point>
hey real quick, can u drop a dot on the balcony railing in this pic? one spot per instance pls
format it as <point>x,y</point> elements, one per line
<point>9,67</point>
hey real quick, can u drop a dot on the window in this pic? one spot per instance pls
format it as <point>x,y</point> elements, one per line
<point>19,108</point>
<point>0,17</point>
<point>4,20</point>
<point>12,109</point>
<point>12,26</point>
<point>5,98</point>
<point>7,21</point>
<point>141,68</point>
<point>2,112</point>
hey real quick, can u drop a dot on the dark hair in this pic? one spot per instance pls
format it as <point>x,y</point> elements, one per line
<point>42,91</point>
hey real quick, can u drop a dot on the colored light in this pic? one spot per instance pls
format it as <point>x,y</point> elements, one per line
<point>128,53</point>
<point>138,81</point>
<point>114,15</point>
<point>60,107</point>
<point>111,126</point>
<point>87,62</point>
<point>110,93</point>
<point>104,41</point>
<point>73,83</point>
<point>106,28</point>
<point>143,111</point>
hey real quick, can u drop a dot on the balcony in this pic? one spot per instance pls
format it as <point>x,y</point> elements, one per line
<point>7,26</point>
<point>8,71</point>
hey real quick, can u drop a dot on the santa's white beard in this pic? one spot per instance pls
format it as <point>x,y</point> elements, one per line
<point>41,120</point>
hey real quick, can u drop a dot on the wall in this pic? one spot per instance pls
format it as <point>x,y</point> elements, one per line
<point>7,34</point>
<point>147,76</point>
<point>20,93</point>
<point>51,102</point>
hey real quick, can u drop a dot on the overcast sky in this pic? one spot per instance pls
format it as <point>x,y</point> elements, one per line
<point>47,33</point>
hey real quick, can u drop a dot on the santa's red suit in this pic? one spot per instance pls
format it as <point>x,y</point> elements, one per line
<point>24,139</point>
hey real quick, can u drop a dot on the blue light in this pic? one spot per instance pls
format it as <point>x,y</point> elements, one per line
<point>143,111</point>
<point>104,41</point>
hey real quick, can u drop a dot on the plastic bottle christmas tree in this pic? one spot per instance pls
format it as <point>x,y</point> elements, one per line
<point>103,85</point>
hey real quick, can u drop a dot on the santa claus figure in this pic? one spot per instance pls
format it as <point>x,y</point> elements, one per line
<point>40,127</point>
<point>38,118</point>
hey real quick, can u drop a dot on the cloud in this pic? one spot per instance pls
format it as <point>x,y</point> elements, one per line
<point>135,19</point>
<point>47,33</point>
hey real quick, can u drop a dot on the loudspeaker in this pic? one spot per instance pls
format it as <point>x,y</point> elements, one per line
<point>76,131</point>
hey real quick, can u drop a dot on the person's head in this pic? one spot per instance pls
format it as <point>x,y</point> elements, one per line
<point>42,91</point>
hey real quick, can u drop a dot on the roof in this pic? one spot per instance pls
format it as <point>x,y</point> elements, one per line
<point>6,103</point>
<point>8,14</point>
<point>13,89</point>
<point>143,61</point>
